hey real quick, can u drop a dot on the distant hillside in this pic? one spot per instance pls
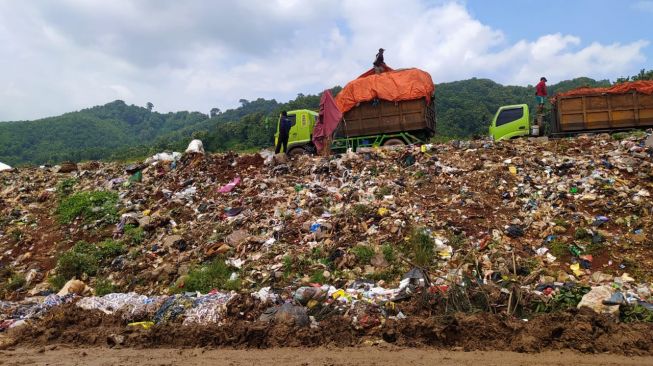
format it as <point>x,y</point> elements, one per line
<point>120,131</point>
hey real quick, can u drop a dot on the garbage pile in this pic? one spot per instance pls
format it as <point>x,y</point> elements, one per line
<point>529,225</point>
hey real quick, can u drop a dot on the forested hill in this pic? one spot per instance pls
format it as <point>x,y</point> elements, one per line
<point>120,131</point>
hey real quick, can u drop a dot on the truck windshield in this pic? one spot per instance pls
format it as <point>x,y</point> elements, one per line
<point>509,115</point>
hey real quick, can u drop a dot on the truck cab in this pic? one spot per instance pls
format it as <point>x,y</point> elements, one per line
<point>510,121</point>
<point>300,135</point>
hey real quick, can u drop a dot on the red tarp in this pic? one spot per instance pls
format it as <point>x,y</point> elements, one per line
<point>327,121</point>
<point>394,86</point>
<point>644,87</point>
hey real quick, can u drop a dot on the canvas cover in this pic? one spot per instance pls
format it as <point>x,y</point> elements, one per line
<point>327,121</point>
<point>644,87</point>
<point>393,86</point>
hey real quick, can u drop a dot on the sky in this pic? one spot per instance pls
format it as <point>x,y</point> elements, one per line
<point>58,56</point>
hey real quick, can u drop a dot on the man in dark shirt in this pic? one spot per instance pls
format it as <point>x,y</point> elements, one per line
<point>284,133</point>
<point>540,94</point>
<point>379,64</point>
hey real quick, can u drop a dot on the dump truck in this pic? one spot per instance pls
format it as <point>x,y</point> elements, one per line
<point>625,106</point>
<point>393,108</point>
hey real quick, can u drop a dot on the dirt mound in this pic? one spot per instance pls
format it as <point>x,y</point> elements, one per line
<point>582,331</point>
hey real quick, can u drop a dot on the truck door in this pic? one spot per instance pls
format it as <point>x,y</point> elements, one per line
<point>510,122</point>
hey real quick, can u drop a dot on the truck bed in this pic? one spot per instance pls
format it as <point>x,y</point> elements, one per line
<point>389,117</point>
<point>603,112</point>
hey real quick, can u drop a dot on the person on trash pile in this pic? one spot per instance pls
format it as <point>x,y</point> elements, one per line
<point>284,132</point>
<point>379,64</point>
<point>540,94</point>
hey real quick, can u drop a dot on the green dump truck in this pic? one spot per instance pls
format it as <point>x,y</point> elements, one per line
<point>370,124</point>
<point>593,111</point>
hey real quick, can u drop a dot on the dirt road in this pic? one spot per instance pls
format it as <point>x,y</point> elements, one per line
<point>302,356</point>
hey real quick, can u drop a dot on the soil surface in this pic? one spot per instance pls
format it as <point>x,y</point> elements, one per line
<point>300,356</point>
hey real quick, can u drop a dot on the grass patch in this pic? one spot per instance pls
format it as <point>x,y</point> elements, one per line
<point>422,245</point>
<point>104,286</point>
<point>361,211</point>
<point>318,276</point>
<point>558,248</point>
<point>86,258</point>
<point>383,191</point>
<point>214,275</point>
<point>566,299</point>
<point>65,187</point>
<point>363,253</point>
<point>287,266</point>
<point>134,234</point>
<point>95,205</point>
<point>388,253</point>
<point>57,282</point>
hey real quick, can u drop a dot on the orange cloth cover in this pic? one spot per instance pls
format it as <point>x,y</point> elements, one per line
<point>644,87</point>
<point>394,86</point>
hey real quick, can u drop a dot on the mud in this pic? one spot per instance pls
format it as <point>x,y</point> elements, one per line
<point>373,355</point>
<point>582,331</point>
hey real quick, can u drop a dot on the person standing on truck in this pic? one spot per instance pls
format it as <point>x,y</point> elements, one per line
<point>284,133</point>
<point>379,64</point>
<point>540,94</point>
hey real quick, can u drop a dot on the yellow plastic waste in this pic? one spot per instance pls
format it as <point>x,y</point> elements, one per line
<point>338,294</point>
<point>576,269</point>
<point>512,169</point>
<point>312,303</point>
<point>147,212</point>
<point>383,211</point>
<point>144,325</point>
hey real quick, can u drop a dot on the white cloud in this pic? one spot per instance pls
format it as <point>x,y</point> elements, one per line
<point>58,56</point>
<point>645,5</point>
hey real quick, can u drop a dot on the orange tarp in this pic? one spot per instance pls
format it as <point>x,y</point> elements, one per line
<point>394,86</point>
<point>644,87</point>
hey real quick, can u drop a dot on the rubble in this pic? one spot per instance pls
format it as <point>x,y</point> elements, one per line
<point>516,227</point>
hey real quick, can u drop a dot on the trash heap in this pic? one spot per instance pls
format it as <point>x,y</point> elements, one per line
<point>523,226</point>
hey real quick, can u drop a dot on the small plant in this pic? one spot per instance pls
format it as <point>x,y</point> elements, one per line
<point>361,211</point>
<point>558,248</point>
<point>582,234</point>
<point>104,286</point>
<point>95,205</point>
<point>75,264</point>
<point>65,187</point>
<point>561,222</point>
<point>420,174</point>
<point>287,266</point>
<point>388,253</point>
<point>57,282</point>
<point>134,234</point>
<point>637,313</point>
<point>86,258</point>
<point>318,276</point>
<point>566,299</point>
<point>383,191</point>
<point>16,282</point>
<point>457,241</point>
<point>214,275</point>
<point>422,245</point>
<point>363,253</point>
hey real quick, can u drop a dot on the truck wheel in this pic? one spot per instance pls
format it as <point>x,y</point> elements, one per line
<point>394,142</point>
<point>296,151</point>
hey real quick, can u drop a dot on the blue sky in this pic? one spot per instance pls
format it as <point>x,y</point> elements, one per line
<point>604,21</point>
<point>63,55</point>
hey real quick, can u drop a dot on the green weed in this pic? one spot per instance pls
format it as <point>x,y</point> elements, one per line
<point>95,205</point>
<point>388,253</point>
<point>422,245</point>
<point>214,275</point>
<point>363,253</point>
<point>134,234</point>
<point>104,286</point>
<point>65,187</point>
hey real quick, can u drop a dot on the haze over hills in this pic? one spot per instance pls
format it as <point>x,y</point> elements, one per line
<point>120,131</point>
